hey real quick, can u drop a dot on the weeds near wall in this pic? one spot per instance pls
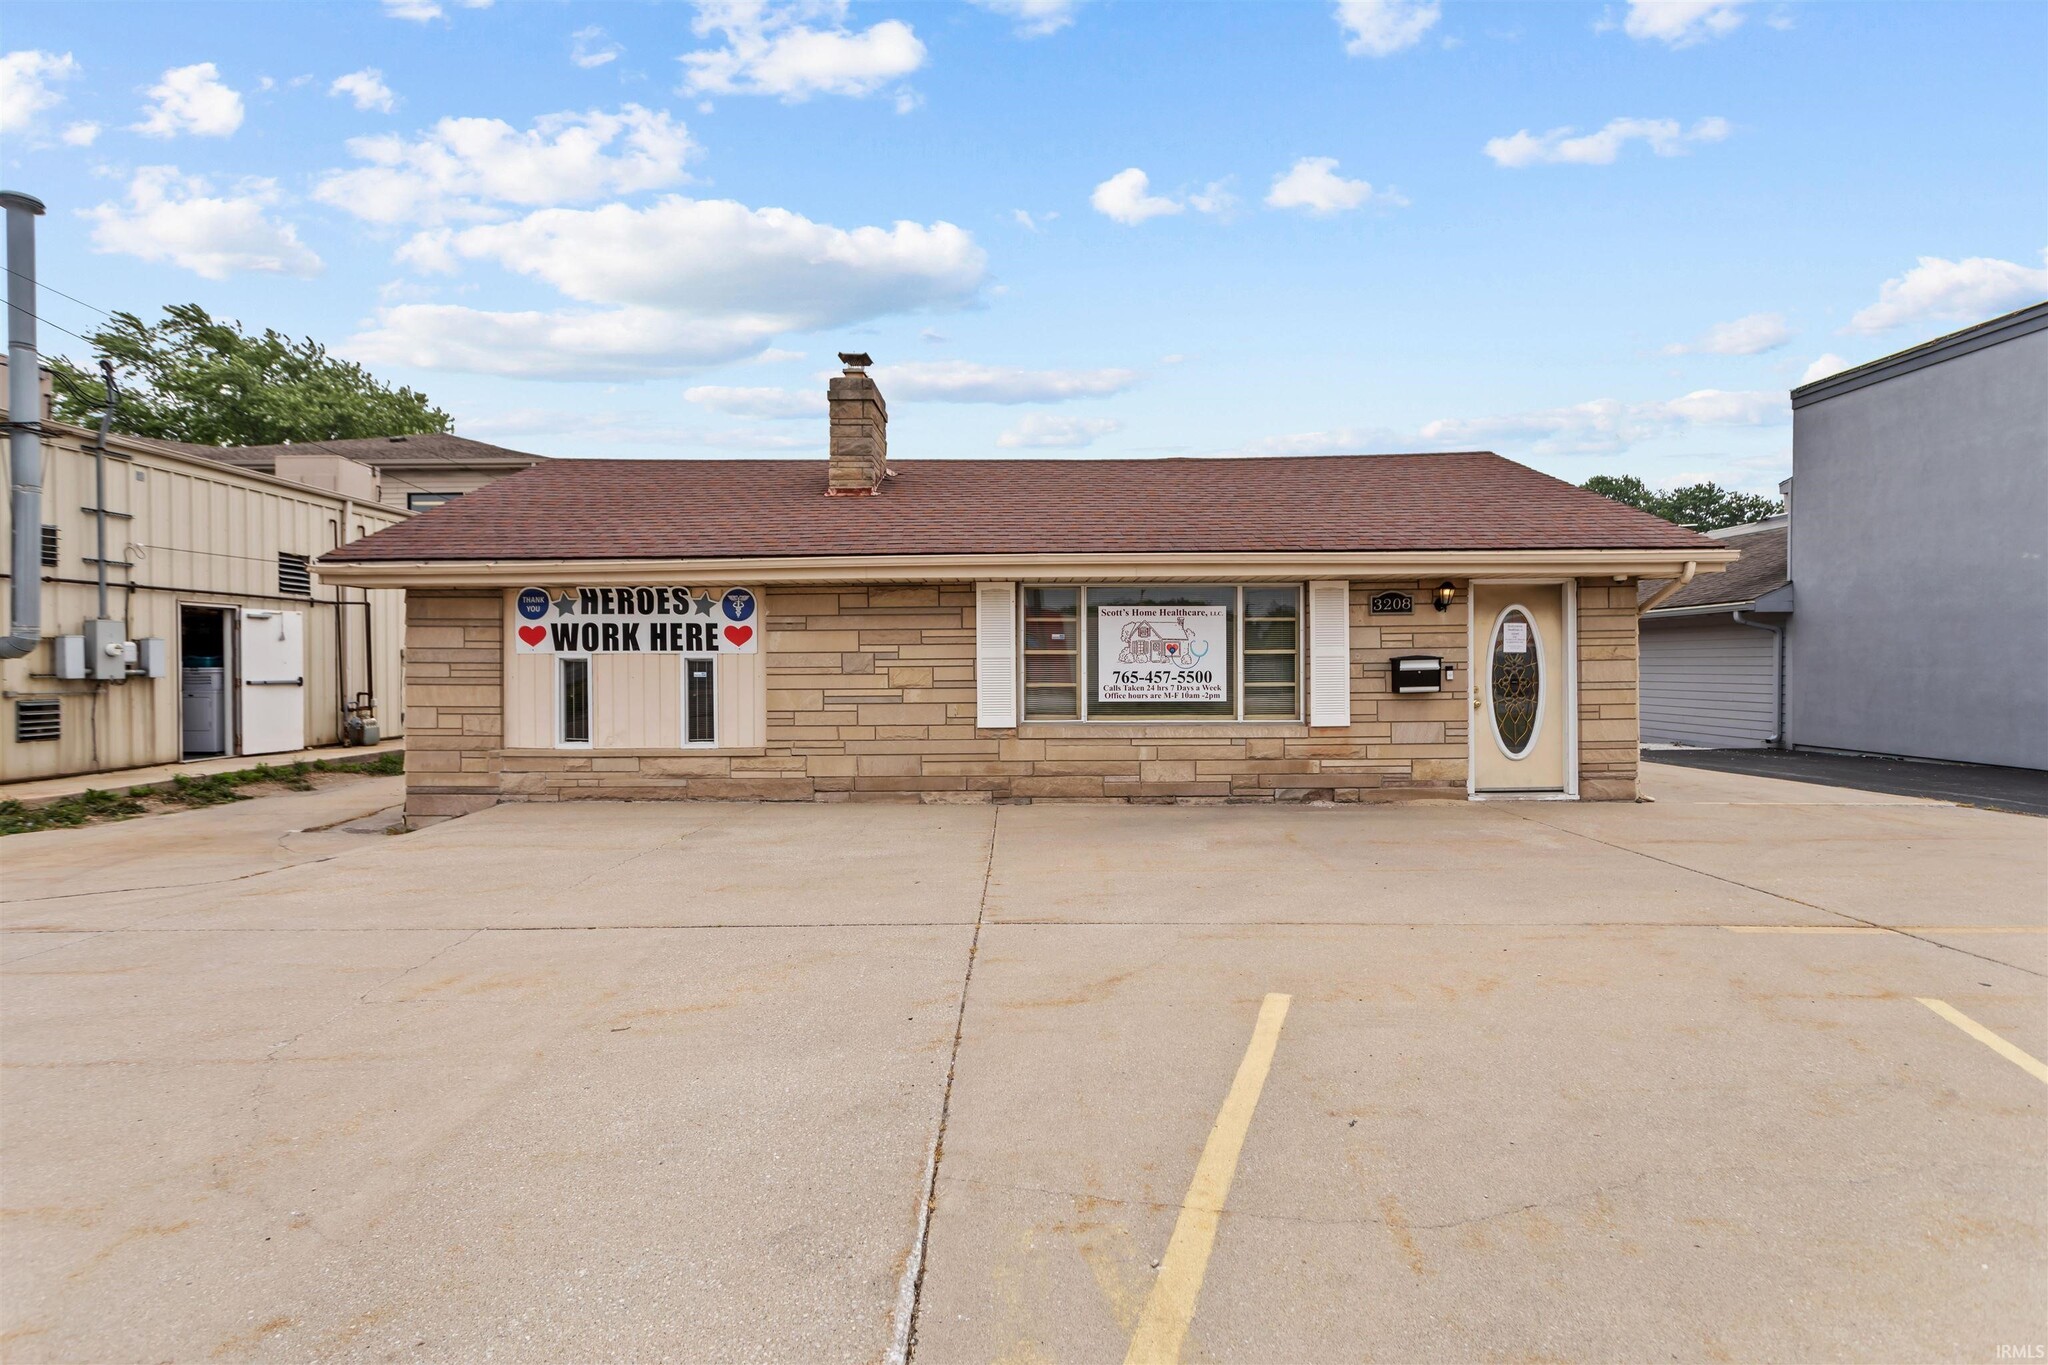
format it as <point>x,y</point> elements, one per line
<point>183,793</point>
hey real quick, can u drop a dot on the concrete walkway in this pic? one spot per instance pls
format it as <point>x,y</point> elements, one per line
<point>39,790</point>
<point>648,1081</point>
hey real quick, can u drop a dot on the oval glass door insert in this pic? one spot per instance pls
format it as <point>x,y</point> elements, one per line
<point>1515,679</point>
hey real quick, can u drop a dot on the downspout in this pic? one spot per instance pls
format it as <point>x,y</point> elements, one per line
<point>24,431</point>
<point>1658,598</point>
<point>99,477</point>
<point>1777,675</point>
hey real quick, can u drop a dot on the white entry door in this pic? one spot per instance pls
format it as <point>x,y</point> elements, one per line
<point>273,657</point>
<point>1519,689</point>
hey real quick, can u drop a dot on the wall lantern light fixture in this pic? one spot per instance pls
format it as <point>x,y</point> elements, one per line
<point>1446,593</point>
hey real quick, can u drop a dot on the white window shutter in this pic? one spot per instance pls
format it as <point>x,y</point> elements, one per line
<point>1329,652</point>
<point>995,655</point>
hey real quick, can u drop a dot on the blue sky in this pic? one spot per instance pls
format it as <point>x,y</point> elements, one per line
<point>1602,238</point>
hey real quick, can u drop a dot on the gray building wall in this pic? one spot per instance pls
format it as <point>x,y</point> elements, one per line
<point>1920,556</point>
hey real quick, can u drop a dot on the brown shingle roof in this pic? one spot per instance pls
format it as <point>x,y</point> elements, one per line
<point>738,509</point>
<point>1761,568</point>
<point>383,452</point>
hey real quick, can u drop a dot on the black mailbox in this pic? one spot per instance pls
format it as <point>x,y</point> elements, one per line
<point>1418,673</point>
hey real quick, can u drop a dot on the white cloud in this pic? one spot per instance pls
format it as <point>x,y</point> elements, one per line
<point>366,88</point>
<point>1681,23</point>
<point>1752,335</point>
<point>27,78</point>
<point>1380,28</point>
<point>1824,366</point>
<point>191,99</point>
<point>963,381</point>
<point>81,134</point>
<point>469,168</point>
<point>1336,441</point>
<point>1312,183</point>
<point>1127,197</point>
<point>795,49</point>
<point>758,402</point>
<point>678,285</point>
<point>1607,425</point>
<point>1033,18</point>
<point>616,343</point>
<point>421,11</point>
<point>1564,146</point>
<point>177,218</point>
<point>592,49</point>
<point>1043,431</point>
<point>631,428</point>
<point>1941,290</point>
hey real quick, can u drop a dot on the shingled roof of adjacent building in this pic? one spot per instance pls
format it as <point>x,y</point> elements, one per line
<point>1761,568</point>
<point>384,452</point>
<point>745,509</point>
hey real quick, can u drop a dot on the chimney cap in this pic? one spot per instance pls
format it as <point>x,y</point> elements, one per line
<point>855,361</point>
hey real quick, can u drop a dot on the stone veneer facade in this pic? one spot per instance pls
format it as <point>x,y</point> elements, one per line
<point>870,696</point>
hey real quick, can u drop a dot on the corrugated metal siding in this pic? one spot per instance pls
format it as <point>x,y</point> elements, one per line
<point>1707,682</point>
<point>196,533</point>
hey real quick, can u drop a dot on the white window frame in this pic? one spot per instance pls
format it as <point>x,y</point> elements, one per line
<point>590,698</point>
<point>684,740</point>
<point>1086,648</point>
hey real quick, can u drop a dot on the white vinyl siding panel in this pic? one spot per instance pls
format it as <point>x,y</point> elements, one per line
<point>636,701</point>
<point>1708,684</point>
<point>1329,652</point>
<point>742,698</point>
<point>995,655</point>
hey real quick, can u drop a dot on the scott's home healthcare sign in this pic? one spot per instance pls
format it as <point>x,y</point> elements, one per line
<point>1157,654</point>
<point>655,620</point>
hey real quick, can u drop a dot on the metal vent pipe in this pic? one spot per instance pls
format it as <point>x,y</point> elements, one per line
<point>24,430</point>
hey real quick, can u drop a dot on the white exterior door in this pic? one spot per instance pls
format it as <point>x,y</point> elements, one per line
<point>273,656</point>
<point>1519,690</point>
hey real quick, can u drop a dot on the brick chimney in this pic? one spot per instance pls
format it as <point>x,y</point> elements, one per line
<point>860,430</point>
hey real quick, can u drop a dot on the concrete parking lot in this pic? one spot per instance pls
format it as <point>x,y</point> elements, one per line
<point>1520,1081</point>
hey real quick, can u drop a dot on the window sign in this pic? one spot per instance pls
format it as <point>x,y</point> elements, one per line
<point>652,620</point>
<point>1160,654</point>
<point>1514,637</point>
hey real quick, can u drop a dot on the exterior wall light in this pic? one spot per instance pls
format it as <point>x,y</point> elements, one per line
<point>1446,593</point>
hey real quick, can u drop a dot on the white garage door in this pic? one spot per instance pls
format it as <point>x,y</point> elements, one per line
<point>1708,684</point>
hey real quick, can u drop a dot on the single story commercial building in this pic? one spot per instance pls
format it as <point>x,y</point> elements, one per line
<point>1341,627</point>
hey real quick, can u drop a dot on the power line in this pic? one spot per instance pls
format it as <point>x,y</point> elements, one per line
<point>45,284</point>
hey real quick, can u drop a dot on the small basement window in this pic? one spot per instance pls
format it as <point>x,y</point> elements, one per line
<point>294,575</point>
<point>38,720</point>
<point>49,547</point>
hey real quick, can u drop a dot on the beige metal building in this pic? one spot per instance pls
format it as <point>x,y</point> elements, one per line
<point>232,647</point>
<point>413,472</point>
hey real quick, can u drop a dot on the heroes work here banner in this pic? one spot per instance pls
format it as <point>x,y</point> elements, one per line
<point>652,620</point>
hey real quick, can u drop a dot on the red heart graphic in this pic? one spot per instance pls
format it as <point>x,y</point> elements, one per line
<point>533,635</point>
<point>739,635</point>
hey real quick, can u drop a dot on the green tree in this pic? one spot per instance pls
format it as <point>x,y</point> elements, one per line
<point>191,378</point>
<point>1702,506</point>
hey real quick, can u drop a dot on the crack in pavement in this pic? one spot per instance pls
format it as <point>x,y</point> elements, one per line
<point>1779,895</point>
<point>903,1321</point>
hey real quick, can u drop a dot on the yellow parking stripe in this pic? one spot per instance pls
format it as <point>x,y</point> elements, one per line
<point>1171,1305</point>
<point>2033,1066</point>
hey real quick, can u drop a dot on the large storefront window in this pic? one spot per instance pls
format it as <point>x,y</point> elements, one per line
<point>1195,651</point>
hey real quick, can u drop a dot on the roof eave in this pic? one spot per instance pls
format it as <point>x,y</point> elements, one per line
<point>1567,563</point>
